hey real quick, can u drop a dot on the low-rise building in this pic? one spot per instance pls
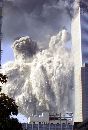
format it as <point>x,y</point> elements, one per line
<point>47,121</point>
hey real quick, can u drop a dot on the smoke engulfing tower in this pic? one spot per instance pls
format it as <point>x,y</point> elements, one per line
<point>1,5</point>
<point>80,51</point>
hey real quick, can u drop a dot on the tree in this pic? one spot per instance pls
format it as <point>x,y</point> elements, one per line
<point>3,78</point>
<point>10,124</point>
<point>8,105</point>
<point>7,108</point>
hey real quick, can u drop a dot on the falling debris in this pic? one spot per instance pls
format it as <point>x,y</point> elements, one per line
<point>44,80</point>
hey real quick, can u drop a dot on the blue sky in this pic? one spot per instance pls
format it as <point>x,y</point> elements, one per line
<point>7,54</point>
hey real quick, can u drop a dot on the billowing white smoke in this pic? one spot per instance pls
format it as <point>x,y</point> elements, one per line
<point>46,81</point>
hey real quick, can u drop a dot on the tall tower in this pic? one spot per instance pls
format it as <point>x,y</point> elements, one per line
<point>84,78</point>
<point>79,32</point>
<point>1,6</point>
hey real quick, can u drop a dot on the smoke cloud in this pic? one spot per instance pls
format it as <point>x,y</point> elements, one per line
<point>44,80</point>
<point>24,48</point>
<point>39,19</point>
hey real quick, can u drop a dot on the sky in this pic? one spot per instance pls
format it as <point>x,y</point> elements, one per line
<point>7,54</point>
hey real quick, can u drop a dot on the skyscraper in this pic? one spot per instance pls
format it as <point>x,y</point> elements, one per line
<point>80,52</point>
<point>84,79</point>
<point>1,5</point>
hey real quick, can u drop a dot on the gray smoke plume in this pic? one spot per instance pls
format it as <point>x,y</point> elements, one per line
<point>44,80</point>
<point>39,19</point>
<point>25,48</point>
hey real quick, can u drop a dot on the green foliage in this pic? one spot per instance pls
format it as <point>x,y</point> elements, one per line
<point>3,78</point>
<point>8,105</point>
<point>7,108</point>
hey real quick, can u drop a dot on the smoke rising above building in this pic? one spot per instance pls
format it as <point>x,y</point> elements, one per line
<point>39,19</point>
<point>24,48</point>
<point>44,80</point>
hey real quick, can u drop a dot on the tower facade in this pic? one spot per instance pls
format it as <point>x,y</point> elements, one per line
<point>1,6</point>
<point>79,31</point>
<point>84,79</point>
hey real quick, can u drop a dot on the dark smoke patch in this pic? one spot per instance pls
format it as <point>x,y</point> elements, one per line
<point>84,6</point>
<point>25,48</point>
